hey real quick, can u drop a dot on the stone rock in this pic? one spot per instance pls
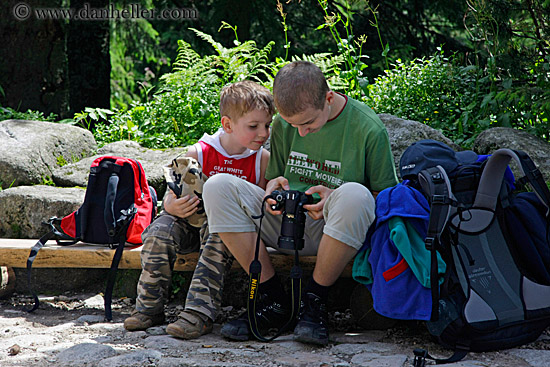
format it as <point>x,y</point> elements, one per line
<point>503,137</point>
<point>25,343</point>
<point>182,362</point>
<point>96,301</point>
<point>85,353</point>
<point>308,359</point>
<point>163,342</point>
<point>137,359</point>
<point>156,330</point>
<point>31,150</point>
<point>90,319</point>
<point>374,359</point>
<point>152,160</point>
<point>403,133</point>
<point>535,358</point>
<point>472,363</point>
<point>24,208</point>
<point>353,349</point>
<point>201,362</point>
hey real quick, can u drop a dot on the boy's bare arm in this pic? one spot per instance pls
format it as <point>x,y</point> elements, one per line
<point>263,166</point>
<point>192,152</point>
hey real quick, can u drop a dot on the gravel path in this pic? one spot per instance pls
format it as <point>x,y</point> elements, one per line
<point>69,331</point>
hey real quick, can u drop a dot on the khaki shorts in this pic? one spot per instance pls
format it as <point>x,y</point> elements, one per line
<point>232,203</point>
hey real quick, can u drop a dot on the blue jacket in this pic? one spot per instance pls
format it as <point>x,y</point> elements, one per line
<point>394,263</point>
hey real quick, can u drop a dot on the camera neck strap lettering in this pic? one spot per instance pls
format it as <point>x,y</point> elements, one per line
<point>254,285</point>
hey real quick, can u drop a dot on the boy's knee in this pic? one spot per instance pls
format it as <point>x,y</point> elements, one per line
<point>216,183</point>
<point>353,196</point>
<point>216,189</point>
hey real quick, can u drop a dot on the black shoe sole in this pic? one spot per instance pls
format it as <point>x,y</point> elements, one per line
<point>240,338</point>
<point>304,334</point>
<point>310,340</point>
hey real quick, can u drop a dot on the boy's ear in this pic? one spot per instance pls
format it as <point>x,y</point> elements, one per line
<point>227,124</point>
<point>329,97</point>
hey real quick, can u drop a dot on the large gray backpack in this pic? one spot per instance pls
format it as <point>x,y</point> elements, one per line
<point>496,290</point>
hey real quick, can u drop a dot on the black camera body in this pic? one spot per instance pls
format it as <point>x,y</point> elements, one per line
<point>291,203</point>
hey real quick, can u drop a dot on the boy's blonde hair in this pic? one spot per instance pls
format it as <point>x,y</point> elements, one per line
<point>239,98</point>
<point>299,85</point>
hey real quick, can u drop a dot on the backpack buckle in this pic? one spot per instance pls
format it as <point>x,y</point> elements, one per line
<point>420,357</point>
<point>439,199</point>
<point>437,178</point>
<point>429,241</point>
<point>536,173</point>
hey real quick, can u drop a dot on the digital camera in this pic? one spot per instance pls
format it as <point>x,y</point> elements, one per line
<point>291,203</point>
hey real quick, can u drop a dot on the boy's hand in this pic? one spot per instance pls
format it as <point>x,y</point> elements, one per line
<point>182,207</point>
<point>315,211</point>
<point>278,183</point>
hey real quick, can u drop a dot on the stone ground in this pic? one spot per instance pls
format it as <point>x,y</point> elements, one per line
<point>69,330</point>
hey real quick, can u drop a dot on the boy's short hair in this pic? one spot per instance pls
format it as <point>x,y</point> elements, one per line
<point>239,98</point>
<point>299,85</point>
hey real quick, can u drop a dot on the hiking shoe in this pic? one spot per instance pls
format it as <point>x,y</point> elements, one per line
<point>312,324</point>
<point>190,325</point>
<point>269,314</point>
<point>140,321</point>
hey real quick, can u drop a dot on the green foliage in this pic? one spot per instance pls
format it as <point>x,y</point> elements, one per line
<point>187,103</point>
<point>61,161</point>
<point>7,113</point>
<point>499,74</point>
<point>349,47</point>
<point>180,284</point>
<point>430,91</point>
<point>136,59</point>
<point>461,101</point>
<point>16,230</point>
<point>2,185</point>
<point>85,118</point>
<point>244,61</point>
<point>511,46</point>
<point>47,180</point>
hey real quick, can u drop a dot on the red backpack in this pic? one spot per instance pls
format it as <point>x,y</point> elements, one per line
<point>118,205</point>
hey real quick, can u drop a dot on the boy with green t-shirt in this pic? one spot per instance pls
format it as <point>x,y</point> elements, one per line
<point>323,143</point>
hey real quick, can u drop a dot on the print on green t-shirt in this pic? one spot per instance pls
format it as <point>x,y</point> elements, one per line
<point>311,172</point>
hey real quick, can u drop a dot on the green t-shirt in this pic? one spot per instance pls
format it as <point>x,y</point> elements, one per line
<point>353,147</point>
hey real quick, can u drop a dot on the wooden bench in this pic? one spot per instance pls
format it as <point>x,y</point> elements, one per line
<point>14,253</point>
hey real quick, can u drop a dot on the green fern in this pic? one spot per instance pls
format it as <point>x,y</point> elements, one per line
<point>187,104</point>
<point>189,69</point>
<point>244,61</point>
<point>186,58</point>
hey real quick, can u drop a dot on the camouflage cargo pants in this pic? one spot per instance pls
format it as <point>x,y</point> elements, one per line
<point>215,261</point>
<point>162,240</point>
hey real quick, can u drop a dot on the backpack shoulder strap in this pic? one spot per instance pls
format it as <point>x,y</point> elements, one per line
<point>63,239</point>
<point>493,174</point>
<point>436,185</point>
<point>534,177</point>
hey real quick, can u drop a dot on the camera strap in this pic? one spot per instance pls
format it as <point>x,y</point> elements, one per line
<point>254,286</point>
